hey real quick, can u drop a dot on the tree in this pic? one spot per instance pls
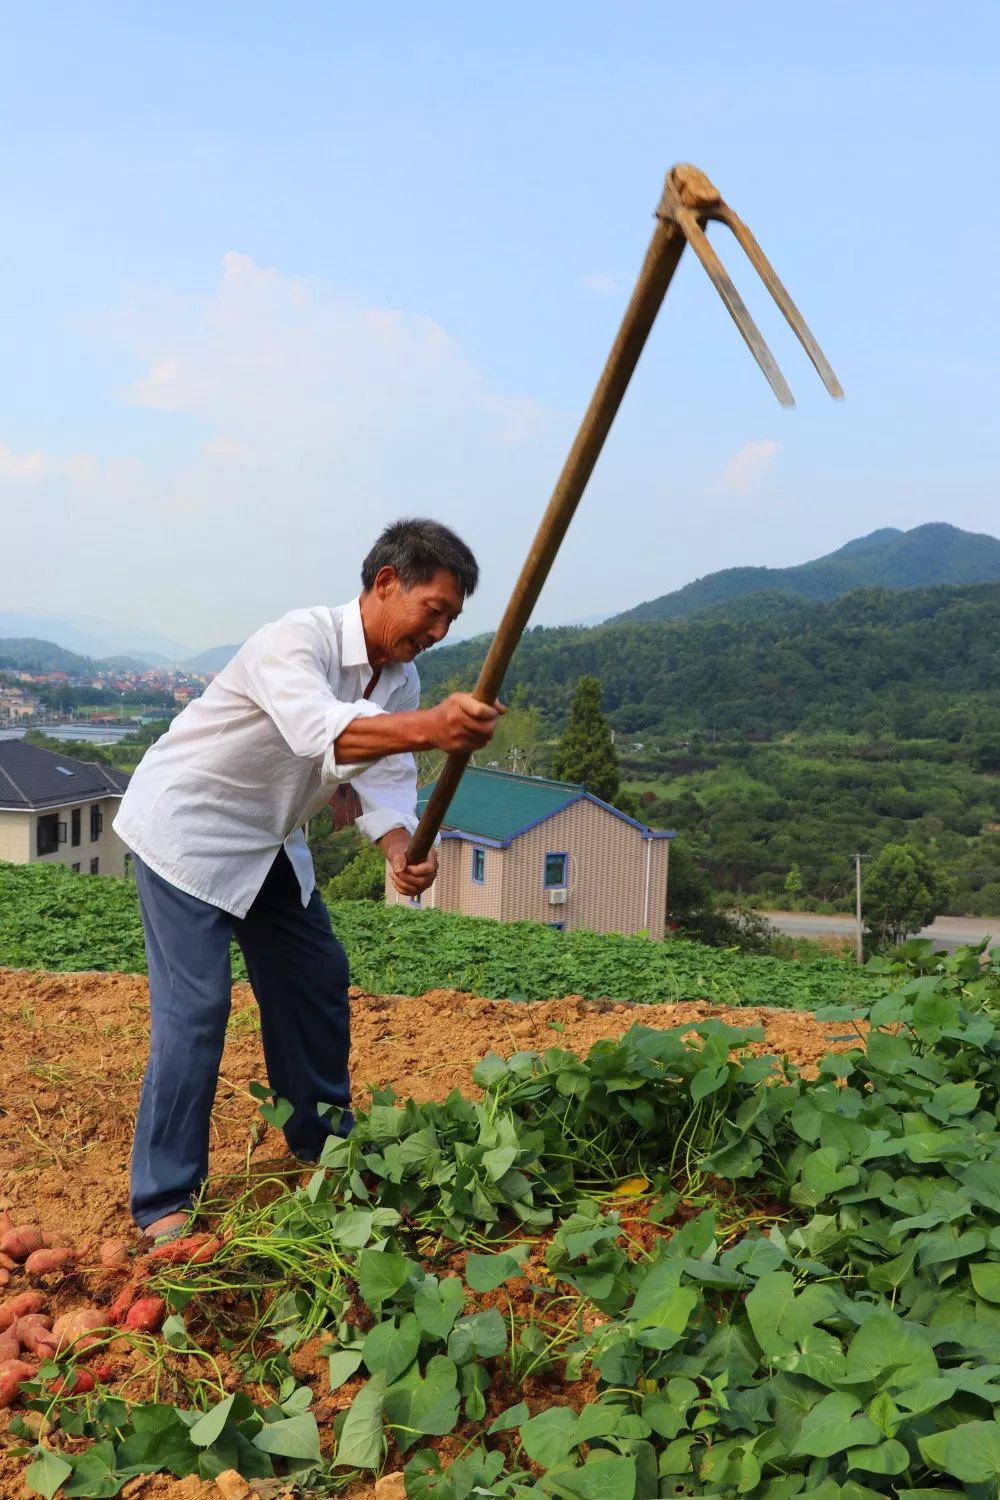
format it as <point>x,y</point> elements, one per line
<point>362,880</point>
<point>793,884</point>
<point>903,892</point>
<point>586,752</point>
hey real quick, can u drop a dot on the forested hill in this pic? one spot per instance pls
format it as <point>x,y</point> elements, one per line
<point>891,559</point>
<point>872,660</point>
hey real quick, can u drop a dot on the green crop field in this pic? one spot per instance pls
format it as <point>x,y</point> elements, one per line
<point>668,1268</point>
<point>55,920</point>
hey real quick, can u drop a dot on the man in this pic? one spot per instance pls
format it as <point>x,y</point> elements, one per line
<point>214,815</point>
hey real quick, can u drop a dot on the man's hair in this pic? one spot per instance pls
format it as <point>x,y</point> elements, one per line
<point>417,549</point>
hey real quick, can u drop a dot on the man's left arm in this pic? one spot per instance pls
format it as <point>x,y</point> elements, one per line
<point>387,791</point>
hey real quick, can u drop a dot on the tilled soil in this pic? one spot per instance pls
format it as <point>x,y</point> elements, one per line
<point>72,1052</point>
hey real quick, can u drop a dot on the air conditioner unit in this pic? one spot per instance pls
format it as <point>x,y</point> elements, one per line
<point>557,898</point>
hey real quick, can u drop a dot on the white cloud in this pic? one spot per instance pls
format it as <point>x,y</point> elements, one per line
<point>279,425</point>
<point>744,471</point>
<point>21,468</point>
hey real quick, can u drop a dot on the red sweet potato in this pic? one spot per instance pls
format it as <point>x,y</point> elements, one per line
<point>114,1254</point>
<point>193,1249</point>
<point>10,1347</point>
<point>44,1262</point>
<point>146,1315</point>
<point>104,1372</point>
<point>7,1262</point>
<point>33,1330</point>
<point>6,1222</point>
<point>19,1306</point>
<point>4,1276</point>
<point>76,1384</point>
<point>78,1327</point>
<point>18,1243</point>
<point>122,1303</point>
<point>11,1375</point>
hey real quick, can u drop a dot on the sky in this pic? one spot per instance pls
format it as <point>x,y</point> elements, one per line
<point>274,275</point>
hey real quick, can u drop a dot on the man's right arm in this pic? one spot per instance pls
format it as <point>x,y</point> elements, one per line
<point>460,722</point>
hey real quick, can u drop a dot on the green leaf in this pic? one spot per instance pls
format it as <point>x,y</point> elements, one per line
<point>484,1273</point>
<point>47,1473</point>
<point>661,1302</point>
<point>175,1331</point>
<point>205,1431</point>
<point>343,1363</point>
<point>601,1478</point>
<point>389,1349</point>
<point>294,1437</point>
<point>985,1276</point>
<point>95,1476</point>
<point>831,1427</point>
<point>437,1305</point>
<point>970,1452</point>
<point>886,1458</point>
<point>381,1273</point>
<point>361,1443</point>
<point>428,1406</point>
<point>512,1417</point>
<point>549,1437</point>
<point>481,1336</point>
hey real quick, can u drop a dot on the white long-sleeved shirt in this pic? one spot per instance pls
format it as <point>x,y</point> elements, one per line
<point>243,767</point>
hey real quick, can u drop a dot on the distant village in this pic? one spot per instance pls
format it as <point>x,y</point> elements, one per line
<point>104,696</point>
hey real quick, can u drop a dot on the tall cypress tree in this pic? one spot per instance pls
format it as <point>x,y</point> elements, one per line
<point>586,751</point>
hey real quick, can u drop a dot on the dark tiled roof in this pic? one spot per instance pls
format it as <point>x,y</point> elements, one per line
<point>32,777</point>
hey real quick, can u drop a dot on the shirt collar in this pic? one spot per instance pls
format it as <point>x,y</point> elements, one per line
<point>353,650</point>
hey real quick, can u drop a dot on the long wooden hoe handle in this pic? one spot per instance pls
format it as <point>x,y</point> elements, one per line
<point>688,199</point>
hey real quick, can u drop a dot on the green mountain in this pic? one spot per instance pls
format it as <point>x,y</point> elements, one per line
<point>888,559</point>
<point>26,654</point>
<point>873,660</point>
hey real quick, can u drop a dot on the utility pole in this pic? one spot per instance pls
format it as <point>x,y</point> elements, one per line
<point>859,937</point>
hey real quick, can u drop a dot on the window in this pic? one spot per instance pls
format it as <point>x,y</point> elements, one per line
<point>74,828</point>
<point>414,900</point>
<point>555,870</point>
<point>47,838</point>
<point>479,865</point>
<point>96,823</point>
<point>75,868</point>
<point>559,926</point>
<point>94,863</point>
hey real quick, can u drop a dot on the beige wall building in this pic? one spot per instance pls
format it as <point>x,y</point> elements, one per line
<point>58,810</point>
<point>519,848</point>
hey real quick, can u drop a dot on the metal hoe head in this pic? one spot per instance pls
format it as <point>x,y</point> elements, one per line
<point>689,200</point>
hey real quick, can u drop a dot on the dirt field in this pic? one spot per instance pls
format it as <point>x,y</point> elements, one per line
<point>72,1051</point>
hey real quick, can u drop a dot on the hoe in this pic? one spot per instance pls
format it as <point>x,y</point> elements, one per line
<point>689,201</point>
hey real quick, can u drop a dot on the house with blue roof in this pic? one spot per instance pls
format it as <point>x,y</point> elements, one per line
<point>522,848</point>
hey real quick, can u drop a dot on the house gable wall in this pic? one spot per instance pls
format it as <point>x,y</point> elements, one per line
<point>605,877</point>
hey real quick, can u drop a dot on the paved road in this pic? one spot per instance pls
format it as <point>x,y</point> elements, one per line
<point>947,932</point>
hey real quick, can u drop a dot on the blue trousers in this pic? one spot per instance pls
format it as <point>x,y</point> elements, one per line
<point>299,975</point>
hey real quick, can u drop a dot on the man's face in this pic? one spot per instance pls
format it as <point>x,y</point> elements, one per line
<point>418,617</point>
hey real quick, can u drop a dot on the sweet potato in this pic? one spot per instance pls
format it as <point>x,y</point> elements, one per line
<point>7,1262</point>
<point>193,1249</point>
<point>19,1306</point>
<point>76,1384</point>
<point>10,1347</point>
<point>114,1254</point>
<point>44,1262</point>
<point>146,1315</point>
<point>104,1372</point>
<point>4,1276</point>
<point>78,1327</point>
<point>11,1375</point>
<point>122,1303</point>
<point>18,1243</point>
<point>33,1330</point>
<point>6,1222</point>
